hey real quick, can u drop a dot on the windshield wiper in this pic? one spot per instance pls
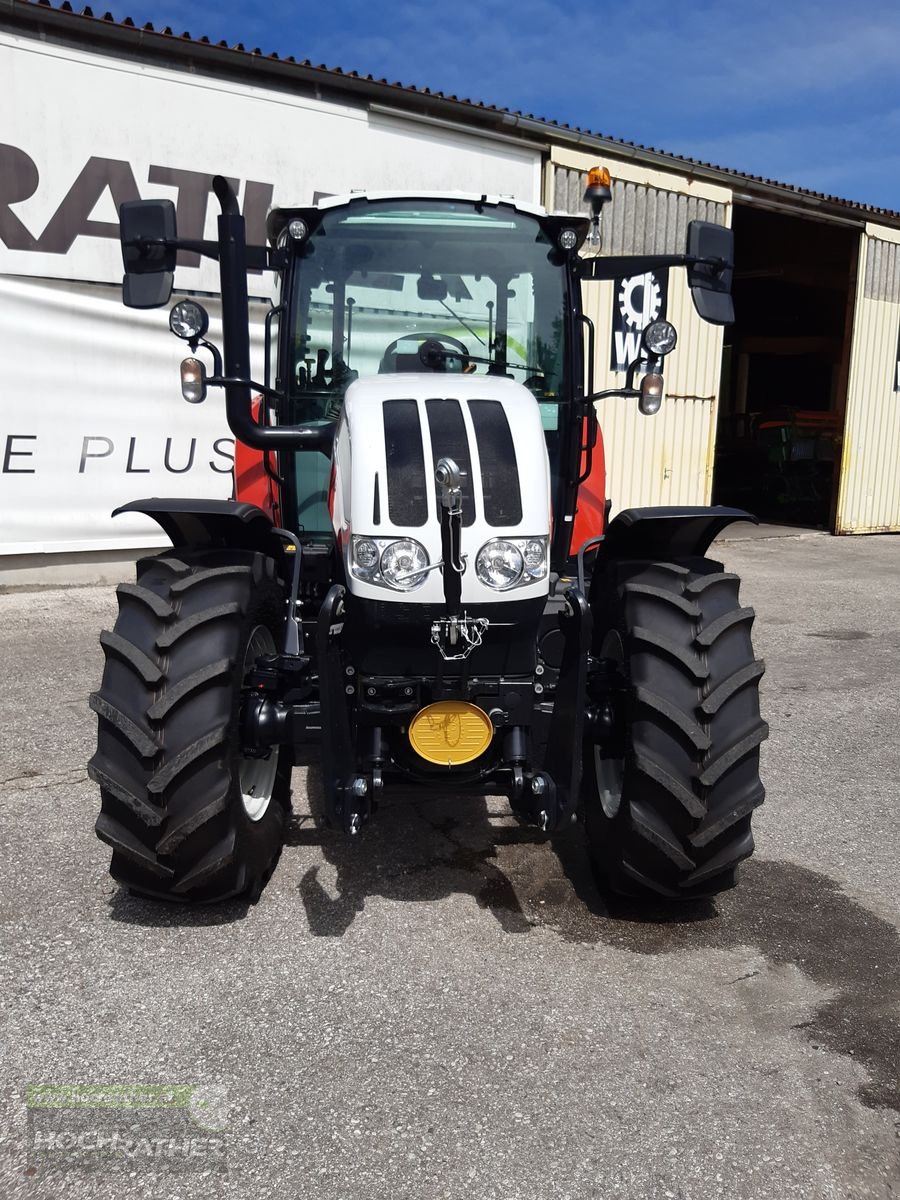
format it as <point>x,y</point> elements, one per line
<point>457,317</point>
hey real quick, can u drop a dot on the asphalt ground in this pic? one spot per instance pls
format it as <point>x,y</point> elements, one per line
<point>448,1009</point>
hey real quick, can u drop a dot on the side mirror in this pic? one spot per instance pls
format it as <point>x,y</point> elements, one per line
<point>710,285</point>
<point>147,233</point>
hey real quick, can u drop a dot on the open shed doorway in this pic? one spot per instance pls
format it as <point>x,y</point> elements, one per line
<point>785,367</point>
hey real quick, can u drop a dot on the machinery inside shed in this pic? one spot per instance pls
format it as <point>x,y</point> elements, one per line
<point>785,367</point>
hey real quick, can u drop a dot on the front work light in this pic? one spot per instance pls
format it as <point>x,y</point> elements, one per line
<point>189,320</point>
<point>660,338</point>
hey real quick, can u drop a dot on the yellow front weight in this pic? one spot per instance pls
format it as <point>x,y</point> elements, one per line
<point>450,733</point>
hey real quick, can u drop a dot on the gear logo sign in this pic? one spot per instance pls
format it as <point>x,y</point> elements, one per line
<point>639,299</point>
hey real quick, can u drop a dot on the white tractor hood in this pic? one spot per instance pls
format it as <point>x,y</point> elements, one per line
<point>393,430</point>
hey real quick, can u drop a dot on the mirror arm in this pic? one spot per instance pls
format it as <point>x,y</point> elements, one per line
<point>208,249</point>
<point>627,392</point>
<point>259,258</point>
<point>624,266</point>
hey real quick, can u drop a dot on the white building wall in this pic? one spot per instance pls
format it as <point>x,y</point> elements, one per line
<point>88,131</point>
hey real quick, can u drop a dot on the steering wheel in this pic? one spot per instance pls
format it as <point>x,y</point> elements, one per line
<point>433,352</point>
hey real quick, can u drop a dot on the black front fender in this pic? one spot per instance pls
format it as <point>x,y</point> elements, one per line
<point>655,534</point>
<point>229,524</point>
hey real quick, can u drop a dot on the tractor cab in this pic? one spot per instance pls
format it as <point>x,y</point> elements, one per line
<point>373,285</point>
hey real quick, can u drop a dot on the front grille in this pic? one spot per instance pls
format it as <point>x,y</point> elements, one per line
<point>406,494</point>
<point>499,473</point>
<point>449,440</point>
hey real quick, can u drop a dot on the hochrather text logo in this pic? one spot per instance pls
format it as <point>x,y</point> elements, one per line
<point>115,1127</point>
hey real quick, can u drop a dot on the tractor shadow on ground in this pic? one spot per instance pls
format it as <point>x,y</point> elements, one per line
<point>425,846</point>
<point>415,849</point>
<point>426,849</point>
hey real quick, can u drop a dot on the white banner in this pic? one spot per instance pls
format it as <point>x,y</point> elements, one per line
<point>93,417</point>
<point>92,414</point>
<point>96,131</point>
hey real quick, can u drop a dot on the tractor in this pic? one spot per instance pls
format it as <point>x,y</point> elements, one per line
<point>417,572</point>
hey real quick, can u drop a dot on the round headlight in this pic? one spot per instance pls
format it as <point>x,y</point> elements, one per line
<point>499,564</point>
<point>402,564</point>
<point>297,229</point>
<point>535,555</point>
<point>568,239</point>
<point>188,320</point>
<point>365,554</point>
<point>660,337</point>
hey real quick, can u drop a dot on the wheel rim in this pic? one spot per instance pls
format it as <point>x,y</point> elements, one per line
<point>257,775</point>
<point>610,772</point>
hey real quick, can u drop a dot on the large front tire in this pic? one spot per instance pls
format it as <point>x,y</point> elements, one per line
<point>670,784</point>
<point>189,817</point>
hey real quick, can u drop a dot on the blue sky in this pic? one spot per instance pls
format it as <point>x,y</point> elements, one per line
<point>800,91</point>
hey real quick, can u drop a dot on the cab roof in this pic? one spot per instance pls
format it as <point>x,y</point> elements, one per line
<point>279,217</point>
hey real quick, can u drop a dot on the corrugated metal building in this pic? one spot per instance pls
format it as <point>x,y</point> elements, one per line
<point>666,459</point>
<point>869,494</point>
<point>793,412</point>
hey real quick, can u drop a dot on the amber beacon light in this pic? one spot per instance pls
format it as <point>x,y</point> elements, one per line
<point>598,177</point>
<point>597,192</point>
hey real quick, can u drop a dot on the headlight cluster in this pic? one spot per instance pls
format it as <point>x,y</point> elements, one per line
<point>504,563</point>
<point>396,563</point>
<point>400,563</point>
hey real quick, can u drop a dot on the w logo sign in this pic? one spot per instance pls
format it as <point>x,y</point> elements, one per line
<point>639,299</point>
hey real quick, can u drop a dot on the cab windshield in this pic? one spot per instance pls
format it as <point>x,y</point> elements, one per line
<point>384,287</point>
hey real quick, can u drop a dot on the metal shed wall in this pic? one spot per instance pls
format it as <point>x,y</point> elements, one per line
<point>667,458</point>
<point>869,495</point>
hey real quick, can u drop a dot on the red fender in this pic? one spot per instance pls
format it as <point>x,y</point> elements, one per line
<point>253,484</point>
<point>590,506</point>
